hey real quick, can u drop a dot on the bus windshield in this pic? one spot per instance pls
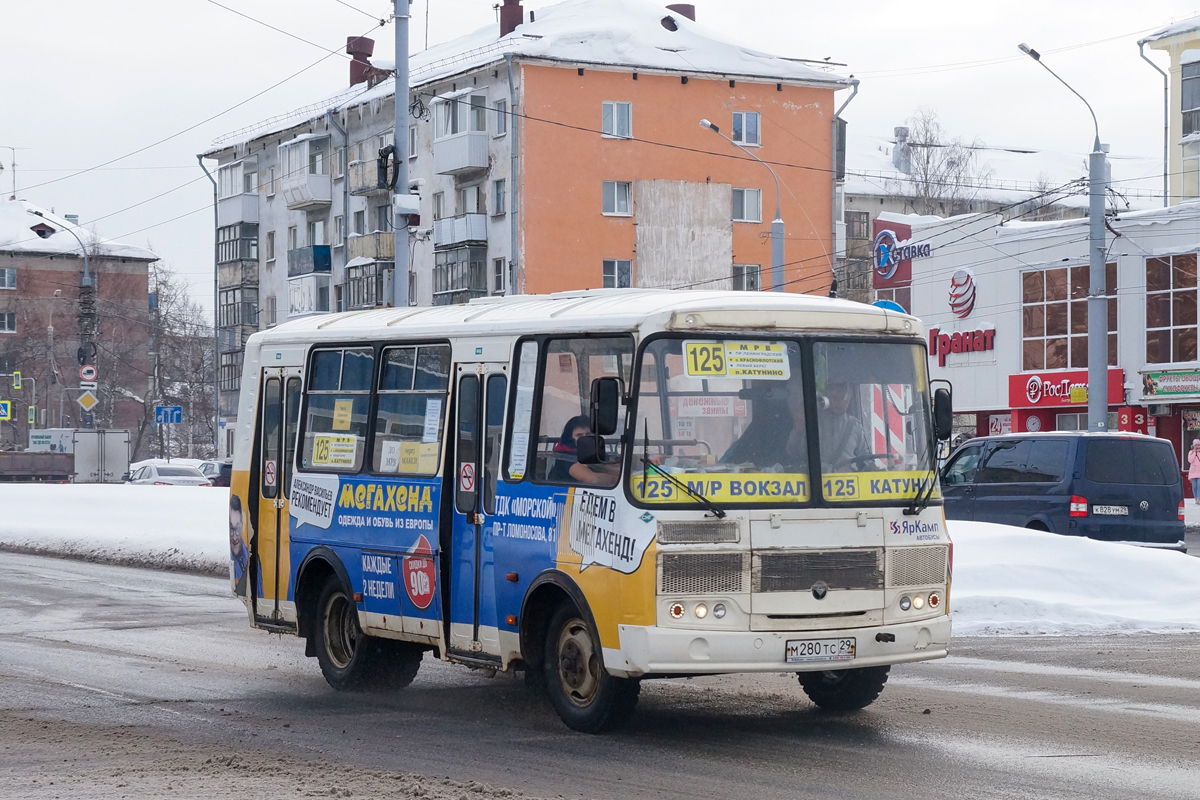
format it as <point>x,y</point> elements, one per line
<point>767,422</point>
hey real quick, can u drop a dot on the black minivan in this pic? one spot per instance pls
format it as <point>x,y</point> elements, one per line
<point>1115,487</point>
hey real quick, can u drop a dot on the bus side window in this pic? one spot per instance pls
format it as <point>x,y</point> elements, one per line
<point>292,409</point>
<point>467,452</point>
<point>570,367</point>
<point>522,418</point>
<point>413,383</point>
<point>336,424</point>
<point>270,437</point>
<point>497,388</point>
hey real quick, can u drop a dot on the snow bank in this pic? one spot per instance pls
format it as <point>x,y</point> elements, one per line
<point>164,527</point>
<point>1015,581</point>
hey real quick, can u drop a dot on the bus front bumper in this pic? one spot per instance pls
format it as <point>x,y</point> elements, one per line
<point>672,651</point>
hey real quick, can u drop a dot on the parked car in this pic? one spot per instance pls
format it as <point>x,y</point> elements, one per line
<point>1114,487</point>
<point>169,475</point>
<point>219,472</point>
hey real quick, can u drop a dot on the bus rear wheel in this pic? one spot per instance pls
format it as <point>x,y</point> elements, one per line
<point>352,661</point>
<point>586,697</point>
<point>844,689</point>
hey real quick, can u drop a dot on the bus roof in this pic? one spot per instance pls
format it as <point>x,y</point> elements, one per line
<point>600,310</point>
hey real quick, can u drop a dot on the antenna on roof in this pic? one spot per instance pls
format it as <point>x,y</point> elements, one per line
<point>12,162</point>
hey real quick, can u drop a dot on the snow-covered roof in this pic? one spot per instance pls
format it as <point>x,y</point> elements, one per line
<point>17,236</point>
<point>620,33</point>
<point>1186,26</point>
<point>1012,174</point>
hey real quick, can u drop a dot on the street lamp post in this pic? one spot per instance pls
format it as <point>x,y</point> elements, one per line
<point>776,224</point>
<point>1097,305</point>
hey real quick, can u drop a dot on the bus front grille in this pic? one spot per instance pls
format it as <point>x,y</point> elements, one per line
<point>704,532</point>
<point>838,569</point>
<point>916,566</point>
<point>701,573</point>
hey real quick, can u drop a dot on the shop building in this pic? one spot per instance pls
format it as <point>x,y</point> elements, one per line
<point>1005,305</point>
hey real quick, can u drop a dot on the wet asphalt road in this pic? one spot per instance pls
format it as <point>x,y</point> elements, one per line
<point>90,652</point>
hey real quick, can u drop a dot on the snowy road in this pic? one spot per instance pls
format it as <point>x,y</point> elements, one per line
<point>123,682</point>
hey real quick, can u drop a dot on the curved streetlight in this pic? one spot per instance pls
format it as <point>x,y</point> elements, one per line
<point>777,259</point>
<point>1097,306</point>
<point>87,275</point>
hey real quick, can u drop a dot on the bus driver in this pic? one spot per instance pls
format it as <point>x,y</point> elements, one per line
<point>844,443</point>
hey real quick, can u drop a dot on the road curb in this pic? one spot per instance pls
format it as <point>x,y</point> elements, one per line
<point>162,561</point>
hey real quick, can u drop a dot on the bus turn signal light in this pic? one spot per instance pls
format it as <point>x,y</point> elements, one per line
<point>1078,506</point>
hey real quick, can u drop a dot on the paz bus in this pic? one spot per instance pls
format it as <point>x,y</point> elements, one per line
<point>597,488</point>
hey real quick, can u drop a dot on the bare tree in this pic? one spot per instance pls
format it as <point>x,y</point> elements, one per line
<point>944,175</point>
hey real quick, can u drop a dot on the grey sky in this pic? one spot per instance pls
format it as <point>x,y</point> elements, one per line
<point>85,82</point>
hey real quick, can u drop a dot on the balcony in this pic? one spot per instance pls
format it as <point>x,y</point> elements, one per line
<point>464,228</point>
<point>239,208</point>
<point>307,260</point>
<point>305,181</point>
<point>461,152</point>
<point>308,294</point>
<point>368,284</point>
<point>364,179</point>
<point>378,246</point>
<point>237,273</point>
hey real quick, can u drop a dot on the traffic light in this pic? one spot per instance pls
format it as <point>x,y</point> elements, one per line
<point>16,379</point>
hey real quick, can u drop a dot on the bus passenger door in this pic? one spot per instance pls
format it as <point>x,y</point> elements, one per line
<point>474,631</point>
<point>279,415</point>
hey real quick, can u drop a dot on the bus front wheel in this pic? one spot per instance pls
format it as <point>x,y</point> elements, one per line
<point>844,689</point>
<point>585,696</point>
<point>352,661</point>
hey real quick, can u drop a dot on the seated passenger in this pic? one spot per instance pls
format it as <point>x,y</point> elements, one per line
<point>845,446</point>
<point>567,468</point>
<point>764,441</point>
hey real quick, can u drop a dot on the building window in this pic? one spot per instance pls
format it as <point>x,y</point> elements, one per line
<point>1078,422</point>
<point>238,307</point>
<point>747,205</point>
<point>8,278</point>
<point>271,311</point>
<point>271,183</point>
<point>360,222</point>
<point>618,273</point>
<point>901,296</point>
<point>617,195</point>
<point>858,225</point>
<point>617,119</point>
<point>470,200</point>
<point>1190,97</point>
<point>459,275</point>
<point>439,205</point>
<point>339,162</point>
<point>501,107</point>
<point>231,371</point>
<point>383,218</point>
<point>497,276</point>
<point>1171,309</point>
<point>746,128</point>
<point>316,232</point>
<point>364,285</point>
<point>230,181</point>
<point>293,242</point>
<point>8,322</point>
<point>270,245</point>
<point>747,277</point>
<point>339,233</point>
<point>412,141</point>
<point>237,243</point>
<point>498,193</point>
<point>1054,321</point>
<point>452,117</point>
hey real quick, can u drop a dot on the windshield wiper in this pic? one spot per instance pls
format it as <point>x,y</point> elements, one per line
<point>647,465</point>
<point>921,501</point>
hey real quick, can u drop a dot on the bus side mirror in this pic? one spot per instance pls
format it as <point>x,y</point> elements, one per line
<point>606,405</point>
<point>943,414</point>
<point>590,449</point>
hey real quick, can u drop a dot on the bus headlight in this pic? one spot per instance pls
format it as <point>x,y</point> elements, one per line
<point>701,611</point>
<point>719,611</point>
<point>918,602</point>
<point>905,603</point>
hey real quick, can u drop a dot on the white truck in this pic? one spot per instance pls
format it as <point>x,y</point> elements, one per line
<point>101,456</point>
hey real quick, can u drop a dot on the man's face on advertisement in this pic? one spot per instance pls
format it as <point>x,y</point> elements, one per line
<point>235,531</point>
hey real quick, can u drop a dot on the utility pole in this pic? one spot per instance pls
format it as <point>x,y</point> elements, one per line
<point>400,137</point>
<point>1097,305</point>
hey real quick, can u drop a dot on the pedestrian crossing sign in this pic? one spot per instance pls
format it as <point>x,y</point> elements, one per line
<point>6,409</point>
<point>32,416</point>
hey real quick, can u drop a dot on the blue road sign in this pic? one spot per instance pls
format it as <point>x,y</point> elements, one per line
<point>168,415</point>
<point>6,409</point>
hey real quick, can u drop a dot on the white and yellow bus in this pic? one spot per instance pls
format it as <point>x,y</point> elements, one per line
<point>597,488</point>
